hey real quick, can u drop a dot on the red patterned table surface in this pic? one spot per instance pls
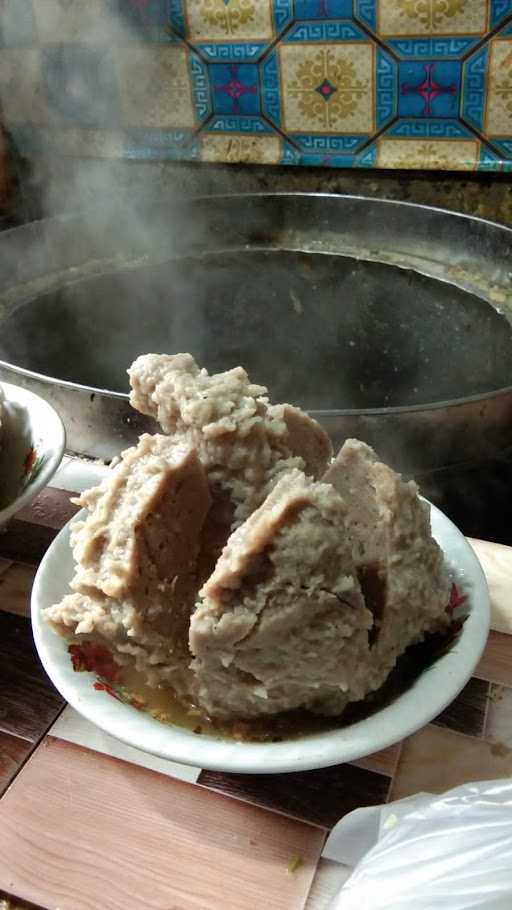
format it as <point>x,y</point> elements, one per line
<point>89,823</point>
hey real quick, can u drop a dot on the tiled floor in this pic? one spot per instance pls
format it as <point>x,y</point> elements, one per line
<point>13,752</point>
<point>28,701</point>
<point>109,834</point>
<point>319,797</point>
<point>437,759</point>
<point>89,823</point>
<point>467,713</point>
<point>496,663</point>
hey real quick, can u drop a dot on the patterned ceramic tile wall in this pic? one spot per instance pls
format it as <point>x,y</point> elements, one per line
<point>347,83</point>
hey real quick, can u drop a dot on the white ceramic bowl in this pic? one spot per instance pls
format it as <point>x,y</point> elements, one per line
<point>32,443</point>
<point>425,699</point>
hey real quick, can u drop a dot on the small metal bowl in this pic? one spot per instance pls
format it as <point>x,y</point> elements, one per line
<point>32,443</point>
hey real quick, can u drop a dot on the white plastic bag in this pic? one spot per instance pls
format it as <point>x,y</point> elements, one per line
<point>447,852</point>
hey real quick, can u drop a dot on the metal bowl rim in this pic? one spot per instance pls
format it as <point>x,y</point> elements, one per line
<point>398,203</point>
<point>345,412</point>
<point>339,412</point>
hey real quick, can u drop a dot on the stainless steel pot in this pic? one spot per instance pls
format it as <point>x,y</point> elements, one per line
<point>388,321</point>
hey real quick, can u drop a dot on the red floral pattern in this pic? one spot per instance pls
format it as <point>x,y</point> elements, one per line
<point>30,460</point>
<point>90,657</point>
<point>456,599</point>
<point>32,464</point>
<point>106,687</point>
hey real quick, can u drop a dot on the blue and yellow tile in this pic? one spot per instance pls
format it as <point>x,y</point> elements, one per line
<point>235,88</point>
<point>152,20</point>
<point>413,143</point>
<point>323,9</point>
<point>386,97</point>
<point>156,87</point>
<point>241,147</point>
<point>429,89</point>
<point>431,17</point>
<point>235,30</point>
<point>491,160</point>
<point>343,83</point>
<point>236,20</point>
<point>498,113</point>
<point>498,11</point>
<point>421,154</point>
<point>328,88</point>
<point>475,73</point>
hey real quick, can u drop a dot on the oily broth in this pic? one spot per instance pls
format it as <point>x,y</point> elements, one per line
<point>165,706</point>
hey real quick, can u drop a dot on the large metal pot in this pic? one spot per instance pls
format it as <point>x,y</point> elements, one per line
<point>388,321</point>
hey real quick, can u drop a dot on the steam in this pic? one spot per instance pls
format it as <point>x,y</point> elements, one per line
<point>61,75</point>
<point>85,85</point>
<point>78,84</point>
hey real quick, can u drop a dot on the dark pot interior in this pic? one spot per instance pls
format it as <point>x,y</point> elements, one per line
<point>323,331</point>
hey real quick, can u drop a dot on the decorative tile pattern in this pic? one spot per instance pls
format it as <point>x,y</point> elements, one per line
<point>237,20</point>
<point>498,119</point>
<point>155,87</point>
<point>150,20</point>
<point>454,155</point>
<point>235,88</point>
<point>431,17</point>
<point>347,83</point>
<point>323,9</point>
<point>499,10</point>
<point>245,148</point>
<point>327,88</point>
<point>429,88</point>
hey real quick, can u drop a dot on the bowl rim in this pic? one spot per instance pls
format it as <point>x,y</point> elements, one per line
<point>56,432</point>
<point>425,699</point>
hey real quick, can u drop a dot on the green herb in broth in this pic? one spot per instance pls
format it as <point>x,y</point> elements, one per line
<point>295,863</point>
